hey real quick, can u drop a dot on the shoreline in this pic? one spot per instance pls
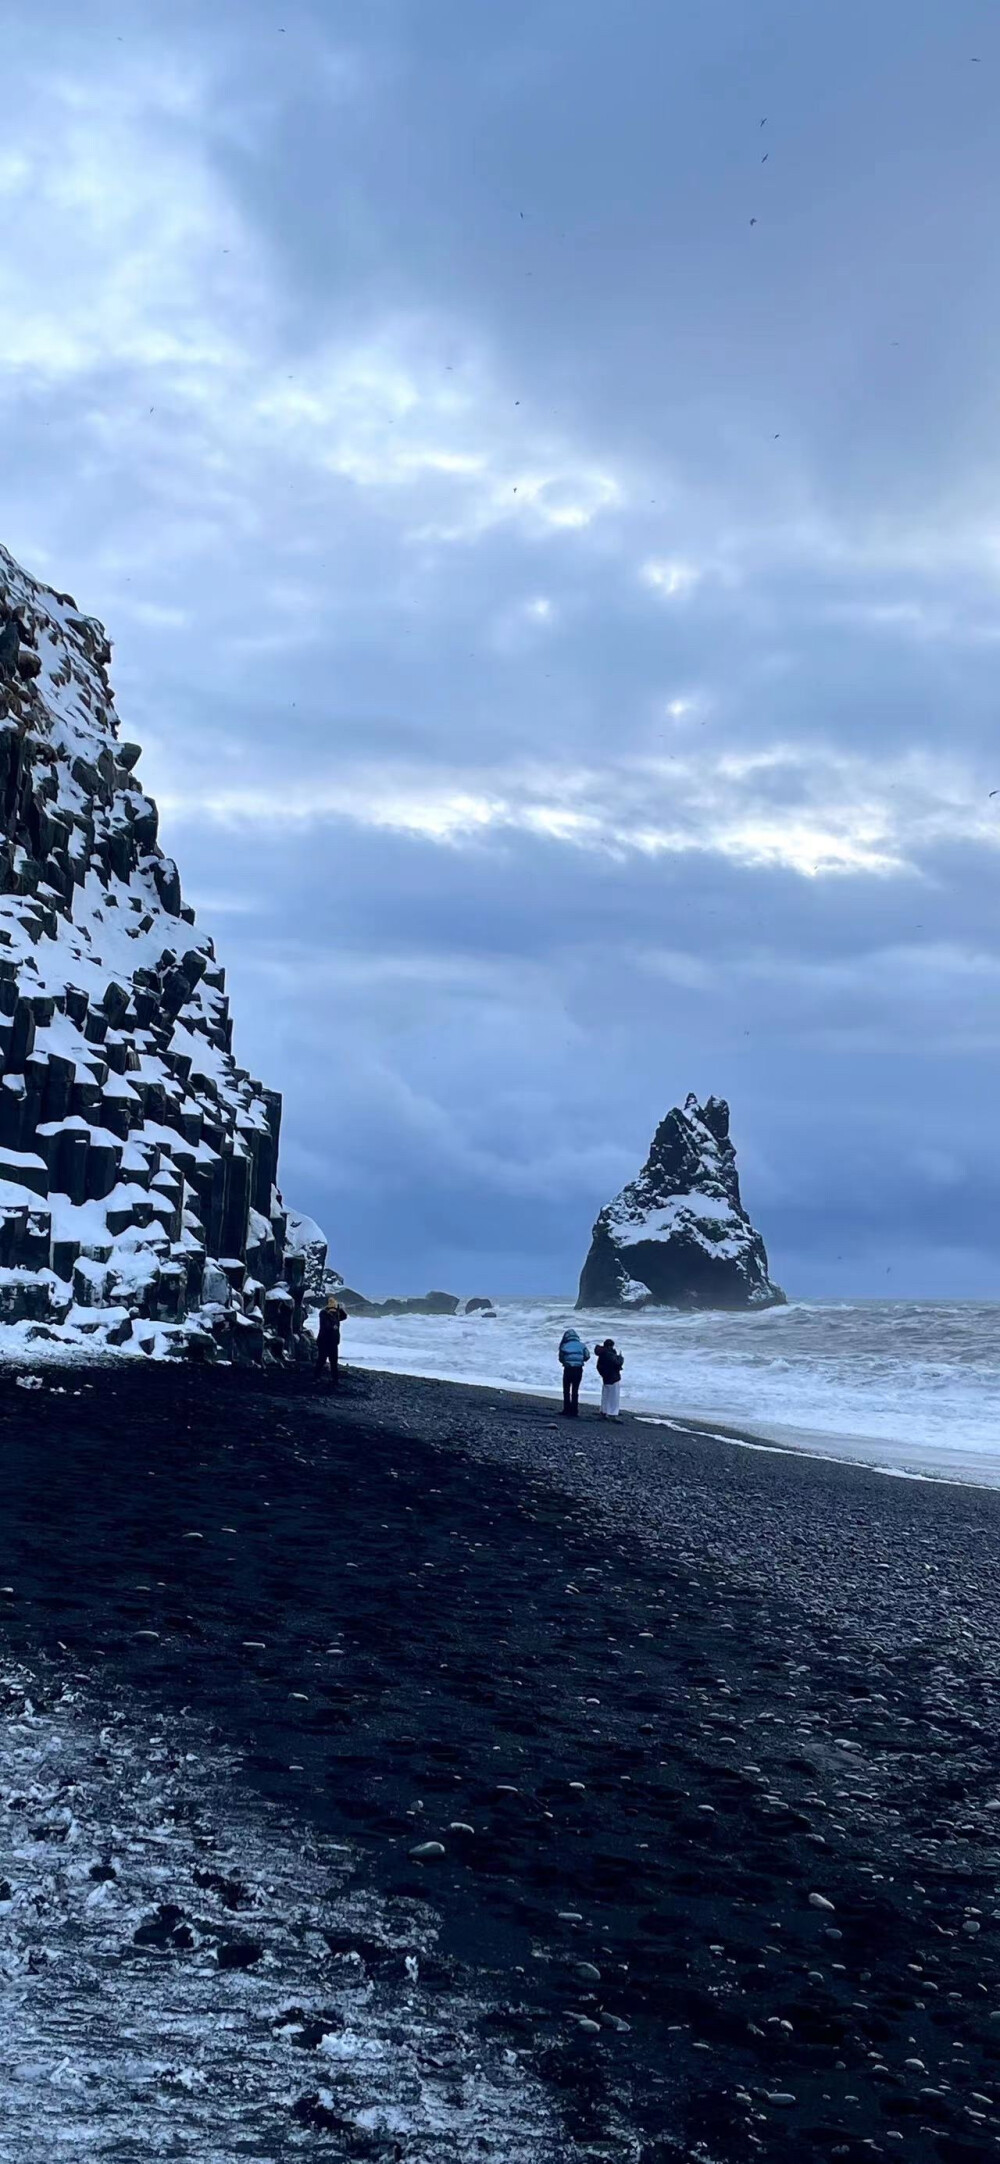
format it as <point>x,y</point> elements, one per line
<point>939,1467</point>
<point>702,1740</point>
<point>626,1473</point>
<point>923,1461</point>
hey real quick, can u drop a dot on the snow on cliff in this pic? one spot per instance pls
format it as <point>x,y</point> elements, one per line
<point>678,1236</point>
<point>138,1162</point>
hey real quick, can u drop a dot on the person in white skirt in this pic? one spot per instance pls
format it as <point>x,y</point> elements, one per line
<point>610,1363</point>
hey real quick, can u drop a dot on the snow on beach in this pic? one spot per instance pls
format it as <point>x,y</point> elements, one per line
<point>907,1384</point>
<point>167,1985</point>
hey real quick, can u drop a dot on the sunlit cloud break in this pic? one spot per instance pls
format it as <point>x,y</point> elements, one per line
<point>833,814</point>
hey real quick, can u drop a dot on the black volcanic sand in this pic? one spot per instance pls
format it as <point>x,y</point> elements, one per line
<point>722,1723</point>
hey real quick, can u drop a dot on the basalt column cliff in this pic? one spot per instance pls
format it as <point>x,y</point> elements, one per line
<point>139,1204</point>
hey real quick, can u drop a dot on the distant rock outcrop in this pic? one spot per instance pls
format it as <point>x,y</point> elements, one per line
<point>138,1162</point>
<point>678,1236</point>
<point>425,1303</point>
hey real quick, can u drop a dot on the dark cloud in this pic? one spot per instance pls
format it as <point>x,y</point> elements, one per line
<point>561,616</point>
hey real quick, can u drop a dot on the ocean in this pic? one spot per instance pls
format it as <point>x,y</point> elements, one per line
<point>910,1386</point>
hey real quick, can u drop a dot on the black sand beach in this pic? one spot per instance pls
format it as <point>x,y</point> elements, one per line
<point>707,1736</point>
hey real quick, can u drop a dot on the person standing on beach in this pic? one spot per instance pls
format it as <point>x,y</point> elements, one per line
<point>328,1340</point>
<point>610,1363</point>
<point>572,1355</point>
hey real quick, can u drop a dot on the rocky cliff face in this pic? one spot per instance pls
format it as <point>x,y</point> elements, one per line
<point>678,1236</point>
<point>138,1162</point>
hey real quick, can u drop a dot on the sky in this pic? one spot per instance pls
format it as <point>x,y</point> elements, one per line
<point>540,469</point>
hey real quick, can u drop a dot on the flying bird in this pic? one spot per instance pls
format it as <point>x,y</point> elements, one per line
<point>765,157</point>
<point>753,221</point>
<point>764,121</point>
<point>995,792</point>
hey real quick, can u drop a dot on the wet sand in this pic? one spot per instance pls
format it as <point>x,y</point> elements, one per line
<point>707,1736</point>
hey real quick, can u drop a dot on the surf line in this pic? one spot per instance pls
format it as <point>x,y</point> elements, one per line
<point>821,1457</point>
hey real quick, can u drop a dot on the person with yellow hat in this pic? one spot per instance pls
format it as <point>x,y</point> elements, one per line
<point>328,1339</point>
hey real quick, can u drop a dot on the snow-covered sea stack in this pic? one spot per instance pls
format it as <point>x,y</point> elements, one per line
<point>138,1162</point>
<point>678,1236</point>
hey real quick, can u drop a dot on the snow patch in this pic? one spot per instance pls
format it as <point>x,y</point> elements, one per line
<point>130,1859</point>
<point>128,1134</point>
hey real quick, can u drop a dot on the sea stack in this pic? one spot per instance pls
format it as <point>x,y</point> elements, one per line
<point>678,1236</point>
<point>139,1204</point>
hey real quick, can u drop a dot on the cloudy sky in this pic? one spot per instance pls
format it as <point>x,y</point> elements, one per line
<point>540,467</point>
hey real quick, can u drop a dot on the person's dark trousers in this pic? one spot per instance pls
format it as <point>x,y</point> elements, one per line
<point>329,1356</point>
<point>571,1391</point>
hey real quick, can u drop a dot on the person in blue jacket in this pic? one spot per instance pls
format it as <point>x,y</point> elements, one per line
<point>572,1355</point>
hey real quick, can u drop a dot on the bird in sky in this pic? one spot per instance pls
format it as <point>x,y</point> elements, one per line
<point>765,157</point>
<point>753,221</point>
<point>995,792</point>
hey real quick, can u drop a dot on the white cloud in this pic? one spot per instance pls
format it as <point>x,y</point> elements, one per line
<point>127,256</point>
<point>811,811</point>
<point>670,576</point>
<point>121,248</point>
